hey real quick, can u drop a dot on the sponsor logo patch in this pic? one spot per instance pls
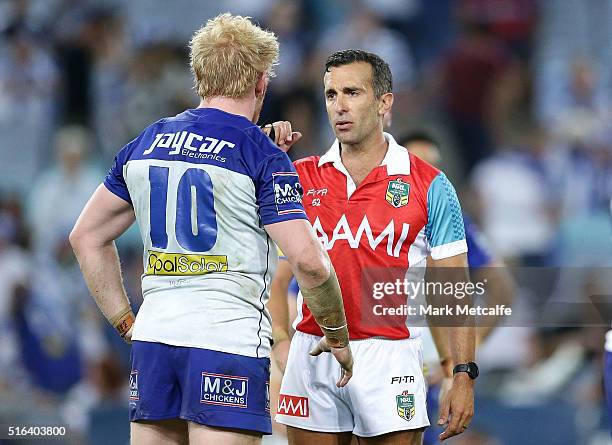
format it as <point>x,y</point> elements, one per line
<point>188,144</point>
<point>397,193</point>
<point>405,405</point>
<point>224,390</point>
<point>268,396</point>
<point>387,238</point>
<point>293,405</point>
<point>134,385</point>
<point>402,379</point>
<point>287,192</point>
<point>160,263</point>
<point>316,194</point>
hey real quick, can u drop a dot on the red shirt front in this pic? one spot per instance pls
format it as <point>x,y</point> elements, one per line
<point>392,220</point>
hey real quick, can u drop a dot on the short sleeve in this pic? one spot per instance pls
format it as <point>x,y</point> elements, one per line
<point>115,181</point>
<point>444,230</point>
<point>478,251</point>
<point>278,189</point>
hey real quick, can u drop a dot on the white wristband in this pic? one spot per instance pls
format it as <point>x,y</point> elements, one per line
<point>334,329</point>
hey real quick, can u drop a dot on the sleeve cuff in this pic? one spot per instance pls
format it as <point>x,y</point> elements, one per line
<point>448,250</point>
<point>120,193</point>
<point>284,217</point>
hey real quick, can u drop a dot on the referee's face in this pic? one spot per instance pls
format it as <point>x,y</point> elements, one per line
<point>352,108</point>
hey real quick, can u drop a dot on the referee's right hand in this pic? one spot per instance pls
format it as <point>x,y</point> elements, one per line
<point>282,134</point>
<point>344,356</point>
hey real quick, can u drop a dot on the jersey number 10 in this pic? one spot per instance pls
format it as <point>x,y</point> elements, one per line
<point>195,224</point>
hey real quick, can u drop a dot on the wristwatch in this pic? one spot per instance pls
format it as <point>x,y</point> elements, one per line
<point>470,368</point>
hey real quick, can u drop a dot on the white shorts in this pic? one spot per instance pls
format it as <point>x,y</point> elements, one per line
<point>386,393</point>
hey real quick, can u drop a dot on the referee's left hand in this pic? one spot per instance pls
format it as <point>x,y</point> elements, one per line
<point>457,407</point>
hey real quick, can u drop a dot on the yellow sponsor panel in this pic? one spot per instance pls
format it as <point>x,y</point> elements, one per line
<point>160,263</point>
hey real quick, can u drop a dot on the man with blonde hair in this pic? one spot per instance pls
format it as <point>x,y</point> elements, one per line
<point>210,193</point>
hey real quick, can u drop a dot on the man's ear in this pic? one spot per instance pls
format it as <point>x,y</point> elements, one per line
<point>385,103</point>
<point>261,85</point>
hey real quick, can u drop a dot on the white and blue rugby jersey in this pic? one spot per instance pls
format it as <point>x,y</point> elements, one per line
<point>203,184</point>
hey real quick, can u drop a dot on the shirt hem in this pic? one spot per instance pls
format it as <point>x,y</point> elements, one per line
<point>205,346</point>
<point>117,194</point>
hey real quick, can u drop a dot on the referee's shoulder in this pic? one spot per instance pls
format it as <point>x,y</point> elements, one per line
<point>422,172</point>
<point>308,162</point>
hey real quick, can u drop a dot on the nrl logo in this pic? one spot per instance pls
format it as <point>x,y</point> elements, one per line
<point>405,405</point>
<point>397,193</point>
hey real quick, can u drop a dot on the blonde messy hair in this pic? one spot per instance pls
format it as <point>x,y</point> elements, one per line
<point>228,55</point>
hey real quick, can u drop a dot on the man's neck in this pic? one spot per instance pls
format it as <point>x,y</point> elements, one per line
<point>360,159</point>
<point>242,107</point>
<point>370,151</point>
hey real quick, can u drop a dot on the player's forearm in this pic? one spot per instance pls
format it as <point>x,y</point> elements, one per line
<point>314,273</point>
<point>102,273</point>
<point>326,305</point>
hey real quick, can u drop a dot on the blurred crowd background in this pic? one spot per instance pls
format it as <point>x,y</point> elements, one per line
<point>519,92</point>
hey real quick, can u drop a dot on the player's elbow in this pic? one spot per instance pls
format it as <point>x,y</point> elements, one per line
<point>79,240</point>
<point>312,270</point>
<point>76,239</point>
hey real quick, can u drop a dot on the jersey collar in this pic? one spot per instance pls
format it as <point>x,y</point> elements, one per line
<point>396,159</point>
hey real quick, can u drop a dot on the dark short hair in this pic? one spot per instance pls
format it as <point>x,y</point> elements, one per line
<point>382,81</point>
<point>418,136</point>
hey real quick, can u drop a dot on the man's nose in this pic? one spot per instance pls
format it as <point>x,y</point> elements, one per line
<point>341,104</point>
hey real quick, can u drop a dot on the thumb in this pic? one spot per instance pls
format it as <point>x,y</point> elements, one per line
<point>295,136</point>
<point>291,140</point>
<point>128,335</point>
<point>318,349</point>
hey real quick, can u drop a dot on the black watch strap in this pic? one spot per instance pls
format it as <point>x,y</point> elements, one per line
<point>470,368</point>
